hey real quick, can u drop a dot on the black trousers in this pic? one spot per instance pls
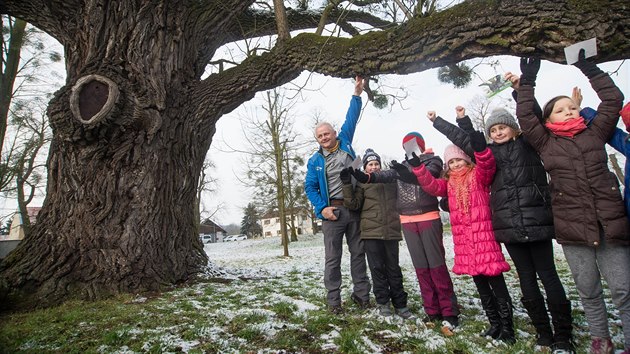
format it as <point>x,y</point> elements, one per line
<point>387,279</point>
<point>532,260</point>
<point>492,285</point>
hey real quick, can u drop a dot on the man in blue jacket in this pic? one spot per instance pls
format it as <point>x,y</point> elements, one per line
<point>323,187</point>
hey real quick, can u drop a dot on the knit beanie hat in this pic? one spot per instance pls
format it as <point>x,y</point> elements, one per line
<point>418,137</point>
<point>453,152</point>
<point>370,155</point>
<point>500,116</point>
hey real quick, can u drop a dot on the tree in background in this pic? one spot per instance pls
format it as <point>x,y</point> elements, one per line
<point>26,82</point>
<point>250,225</point>
<point>275,166</point>
<point>207,186</point>
<point>133,124</point>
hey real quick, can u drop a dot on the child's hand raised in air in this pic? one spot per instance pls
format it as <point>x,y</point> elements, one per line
<point>513,78</point>
<point>589,69</point>
<point>529,68</point>
<point>477,141</point>
<point>461,112</point>
<point>431,115</point>
<point>576,96</point>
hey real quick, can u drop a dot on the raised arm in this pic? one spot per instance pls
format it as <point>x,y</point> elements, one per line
<point>530,124</point>
<point>609,94</point>
<point>455,134</point>
<point>352,116</point>
<point>515,80</point>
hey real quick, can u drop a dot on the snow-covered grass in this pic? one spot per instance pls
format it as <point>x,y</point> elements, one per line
<point>256,301</point>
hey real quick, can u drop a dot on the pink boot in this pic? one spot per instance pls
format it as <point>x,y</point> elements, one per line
<point>601,345</point>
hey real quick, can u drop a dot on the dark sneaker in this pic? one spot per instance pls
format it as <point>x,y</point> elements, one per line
<point>335,309</point>
<point>384,310</point>
<point>363,304</point>
<point>404,312</point>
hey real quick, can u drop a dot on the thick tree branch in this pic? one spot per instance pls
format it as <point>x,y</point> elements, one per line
<point>469,30</point>
<point>55,17</point>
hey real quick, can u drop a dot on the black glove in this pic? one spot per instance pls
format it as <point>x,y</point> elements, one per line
<point>589,69</point>
<point>403,173</point>
<point>444,205</point>
<point>359,175</point>
<point>529,70</point>
<point>345,175</point>
<point>477,141</point>
<point>414,161</point>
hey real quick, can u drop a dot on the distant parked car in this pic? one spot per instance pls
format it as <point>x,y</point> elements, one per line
<point>240,237</point>
<point>229,238</point>
<point>206,238</point>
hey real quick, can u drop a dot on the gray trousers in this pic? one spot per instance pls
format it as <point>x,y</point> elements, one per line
<point>588,265</point>
<point>348,224</point>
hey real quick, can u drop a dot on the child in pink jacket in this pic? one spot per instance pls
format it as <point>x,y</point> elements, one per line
<point>477,253</point>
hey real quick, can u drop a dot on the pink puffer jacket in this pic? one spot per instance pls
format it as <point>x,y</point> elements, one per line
<point>476,250</point>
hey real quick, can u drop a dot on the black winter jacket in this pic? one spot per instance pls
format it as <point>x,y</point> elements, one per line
<point>519,198</point>
<point>412,199</point>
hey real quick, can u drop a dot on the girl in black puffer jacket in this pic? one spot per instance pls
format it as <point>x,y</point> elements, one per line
<point>522,220</point>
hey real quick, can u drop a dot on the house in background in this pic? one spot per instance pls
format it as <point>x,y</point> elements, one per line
<point>17,228</point>
<point>271,224</point>
<point>209,231</point>
<point>16,234</point>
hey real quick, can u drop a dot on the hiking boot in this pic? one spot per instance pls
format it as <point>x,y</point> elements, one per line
<point>335,309</point>
<point>452,320</point>
<point>384,310</point>
<point>537,312</point>
<point>363,304</point>
<point>601,345</point>
<point>404,312</point>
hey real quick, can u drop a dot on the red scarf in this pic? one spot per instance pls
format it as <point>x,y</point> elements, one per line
<point>568,128</point>
<point>462,181</point>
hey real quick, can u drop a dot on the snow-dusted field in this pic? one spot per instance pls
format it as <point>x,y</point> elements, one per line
<point>260,260</point>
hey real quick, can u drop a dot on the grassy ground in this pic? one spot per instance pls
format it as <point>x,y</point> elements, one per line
<point>268,304</point>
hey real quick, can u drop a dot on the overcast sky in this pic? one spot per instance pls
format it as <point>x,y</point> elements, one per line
<point>382,130</point>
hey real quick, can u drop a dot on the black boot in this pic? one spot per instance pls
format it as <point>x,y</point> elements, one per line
<point>507,323</point>
<point>538,314</point>
<point>562,325</point>
<point>492,312</point>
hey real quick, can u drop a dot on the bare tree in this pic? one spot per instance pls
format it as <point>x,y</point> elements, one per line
<point>274,159</point>
<point>25,158</point>
<point>136,117</point>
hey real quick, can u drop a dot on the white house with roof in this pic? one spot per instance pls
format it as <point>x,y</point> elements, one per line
<point>271,224</point>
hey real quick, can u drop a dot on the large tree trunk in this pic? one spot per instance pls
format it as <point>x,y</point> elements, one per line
<point>118,215</point>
